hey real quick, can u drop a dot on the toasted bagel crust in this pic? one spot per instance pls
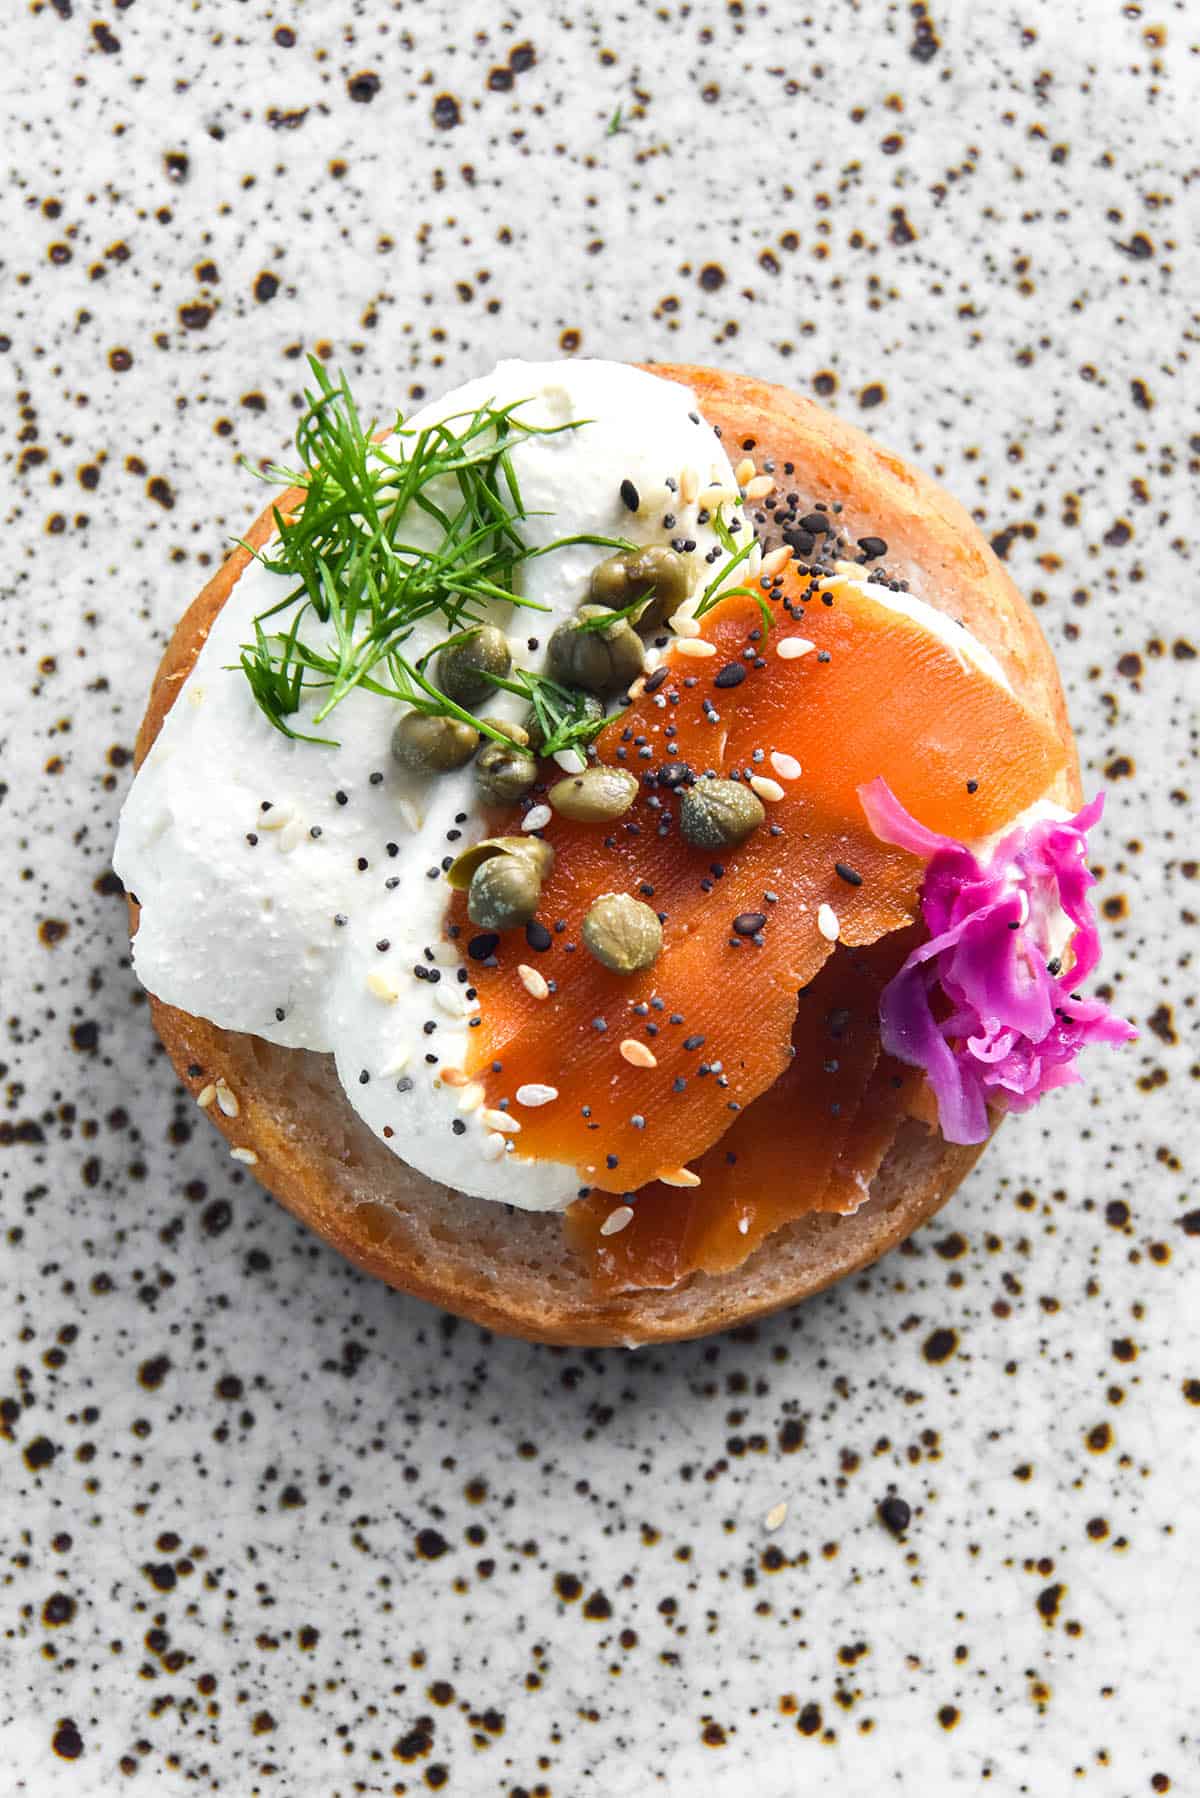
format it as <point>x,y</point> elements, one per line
<point>513,1272</point>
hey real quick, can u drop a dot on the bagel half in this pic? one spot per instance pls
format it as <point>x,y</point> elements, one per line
<point>512,1271</point>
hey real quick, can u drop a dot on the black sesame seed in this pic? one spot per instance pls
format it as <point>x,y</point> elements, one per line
<point>363,1077</point>
<point>972,786</point>
<point>630,496</point>
<point>537,936</point>
<point>693,1042</point>
<point>392,848</point>
<point>483,946</point>
<point>611,1161</point>
<point>342,798</point>
<point>872,548</point>
<point>657,679</point>
<point>600,1024</point>
<point>749,923</point>
<point>339,917</point>
<point>315,831</point>
<point>850,875</point>
<point>732,675</point>
<point>458,1127</point>
<point>638,1121</point>
<point>404,1084</point>
<point>251,838</point>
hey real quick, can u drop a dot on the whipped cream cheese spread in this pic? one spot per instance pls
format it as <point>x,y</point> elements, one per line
<point>297,891</point>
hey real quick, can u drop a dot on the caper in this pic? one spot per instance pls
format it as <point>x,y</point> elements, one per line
<point>535,850</point>
<point>463,667</point>
<point>719,814</point>
<point>622,933</point>
<point>594,796</point>
<point>432,744</point>
<point>504,892</point>
<point>601,659</point>
<point>589,709</point>
<point>662,574</point>
<point>504,772</point>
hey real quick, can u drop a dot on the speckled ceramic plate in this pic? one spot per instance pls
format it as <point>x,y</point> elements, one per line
<point>270,1528</point>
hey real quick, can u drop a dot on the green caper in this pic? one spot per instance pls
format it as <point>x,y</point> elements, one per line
<point>534,850</point>
<point>622,933</point>
<point>660,573</point>
<point>601,659</point>
<point>504,772</point>
<point>719,814</point>
<point>463,667</point>
<point>594,796</point>
<point>504,892</point>
<point>432,744</point>
<point>589,709</point>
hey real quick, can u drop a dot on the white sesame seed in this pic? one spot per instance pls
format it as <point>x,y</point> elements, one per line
<point>291,836</point>
<point>278,816</point>
<point>638,687</point>
<point>695,647</point>
<point>637,1054</point>
<point>790,649</point>
<point>617,1220</point>
<point>500,1120</point>
<point>536,1094</point>
<point>453,1001</point>
<point>744,471</point>
<point>769,791</point>
<point>689,486</point>
<point>246,1155</point>
<point>493,1146</point>
<point>653,658</point>
<point>715,496</point>
<point>381,986</point>
<point>570,761</point>
<point>471,1097</point>
<point>827,924</point>
<point>743,1226</point>
<point>410,815</point>
<point>786,766</point>
<point>533,982</point>
<point>776,1515</point>
<point>454,1077</point>
<point>537,818</point>
<point>677,1176</point>
<point>684,625</point>
<point>777,561</point>
<point>195,695</point>
<point>760,486</point>
<point>205,1096</point>
<point>397,1064</point>
<point>227,1099</point>
<point>754,561</point>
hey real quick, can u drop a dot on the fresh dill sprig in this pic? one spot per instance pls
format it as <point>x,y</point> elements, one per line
<point>614,124</point>
<point>362,585</point>
<point>716,591</point>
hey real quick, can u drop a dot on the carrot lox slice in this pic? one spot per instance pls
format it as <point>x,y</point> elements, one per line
<point>796,1150</point>
<point>876,695</point>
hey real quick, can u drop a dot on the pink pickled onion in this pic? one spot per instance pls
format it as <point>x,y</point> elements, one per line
<point>1008,1021</point>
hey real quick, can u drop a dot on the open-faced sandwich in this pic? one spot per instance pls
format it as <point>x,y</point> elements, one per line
<point>608,849</point>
